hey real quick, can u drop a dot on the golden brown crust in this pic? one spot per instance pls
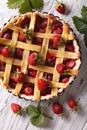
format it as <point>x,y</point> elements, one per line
<point>60,54</point>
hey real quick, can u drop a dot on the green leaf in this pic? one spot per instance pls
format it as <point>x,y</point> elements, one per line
<point>41,109</point>
<point>25,7</point>
<point>36,3</point>
<point>33,111</point>
<point>37,121</point>
<point>14,4</point>
<point>84,13</point>
<point>80,25</point>
<point>85,39</point>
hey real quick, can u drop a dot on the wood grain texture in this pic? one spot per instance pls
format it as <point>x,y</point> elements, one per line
<point>78,89</point>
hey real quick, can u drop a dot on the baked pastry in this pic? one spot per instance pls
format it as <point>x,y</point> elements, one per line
<point>39,56</point>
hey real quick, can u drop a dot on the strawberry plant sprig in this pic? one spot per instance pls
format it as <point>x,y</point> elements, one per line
<point>36,113</point>
<point>25,5</point>
<point>81,23</point>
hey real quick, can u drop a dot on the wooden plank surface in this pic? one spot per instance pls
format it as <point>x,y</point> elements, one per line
<point>78,89</point>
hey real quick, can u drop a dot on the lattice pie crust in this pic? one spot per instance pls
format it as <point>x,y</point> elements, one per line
<point>61,53</point>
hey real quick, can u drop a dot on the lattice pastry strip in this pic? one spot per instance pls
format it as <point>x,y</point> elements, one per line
<point>8,66</point>
<point>43,53</point>
<point>24,63</point>
<point>60,53</point>
<point>56,75</point>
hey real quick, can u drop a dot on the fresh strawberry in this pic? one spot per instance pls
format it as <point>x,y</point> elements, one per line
<point>50,55</point>
<point>28,90</point>
<point>19,77</point>
<point>60,68</point>
<point>22,37</point>
<point>16,108</point>
<point>42,84</point>
<point>7,36</point>
<point>32,60</point>
<point>60,7</point>
<point>56,40</point>
<point>72,104</point>
<point>6,51</point>
<point>58,30</point>
<point>65,80</point>
<point>57,108</point>
<point>71,63</point>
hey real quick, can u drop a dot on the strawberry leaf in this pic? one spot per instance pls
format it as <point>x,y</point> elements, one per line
<point>84,13</point>
<point>36,3</point>
<point>80,25</point>
<point>33,111</point>
<point>37,121</point>
<point>85,39</point>
<point>14,4</point>
<point>25,7</point>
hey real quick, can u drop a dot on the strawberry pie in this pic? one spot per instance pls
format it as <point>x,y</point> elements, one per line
<point>39,56</point>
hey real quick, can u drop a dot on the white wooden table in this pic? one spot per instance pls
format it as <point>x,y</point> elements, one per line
<point>78,89</point>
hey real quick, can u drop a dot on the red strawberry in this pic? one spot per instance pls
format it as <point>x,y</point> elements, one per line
<point>65,80</point>
<point>71,64</point>
<point>60,68</point>
<point>32,60</point>
<point>56,40</point>
<point>28,90</point>
<point>60,7</point>
<point>7,36</point>
<point>57,108</point>
<point>16,108</point>
<point>72,103</point>
<point>6,51</point>
<point>42,84</point>
<point>58,31</point>
<point>19,77</point>
<point>50,55</point>
<point>22,37</point>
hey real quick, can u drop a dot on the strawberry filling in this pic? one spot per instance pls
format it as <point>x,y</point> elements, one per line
<point>2,65</point>
<point>37,41</point>
<point>58,30</point>
<point>70,46</point>
<point>40,25</point>
<point>27,89</point>
<point>46,92</point>
<point>7,34</point>
<point>12,83</point>
<point>64,78</point>
<point>1,48</point>
<point>57,27</point>
<point>48,76</point>
<point>50,59</point>
<point>15,68</point>
<point>18,53</point>
<point>25,22</point>
<point>31,72</point>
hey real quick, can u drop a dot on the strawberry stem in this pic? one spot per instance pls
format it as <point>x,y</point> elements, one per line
<point>48,116</point>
